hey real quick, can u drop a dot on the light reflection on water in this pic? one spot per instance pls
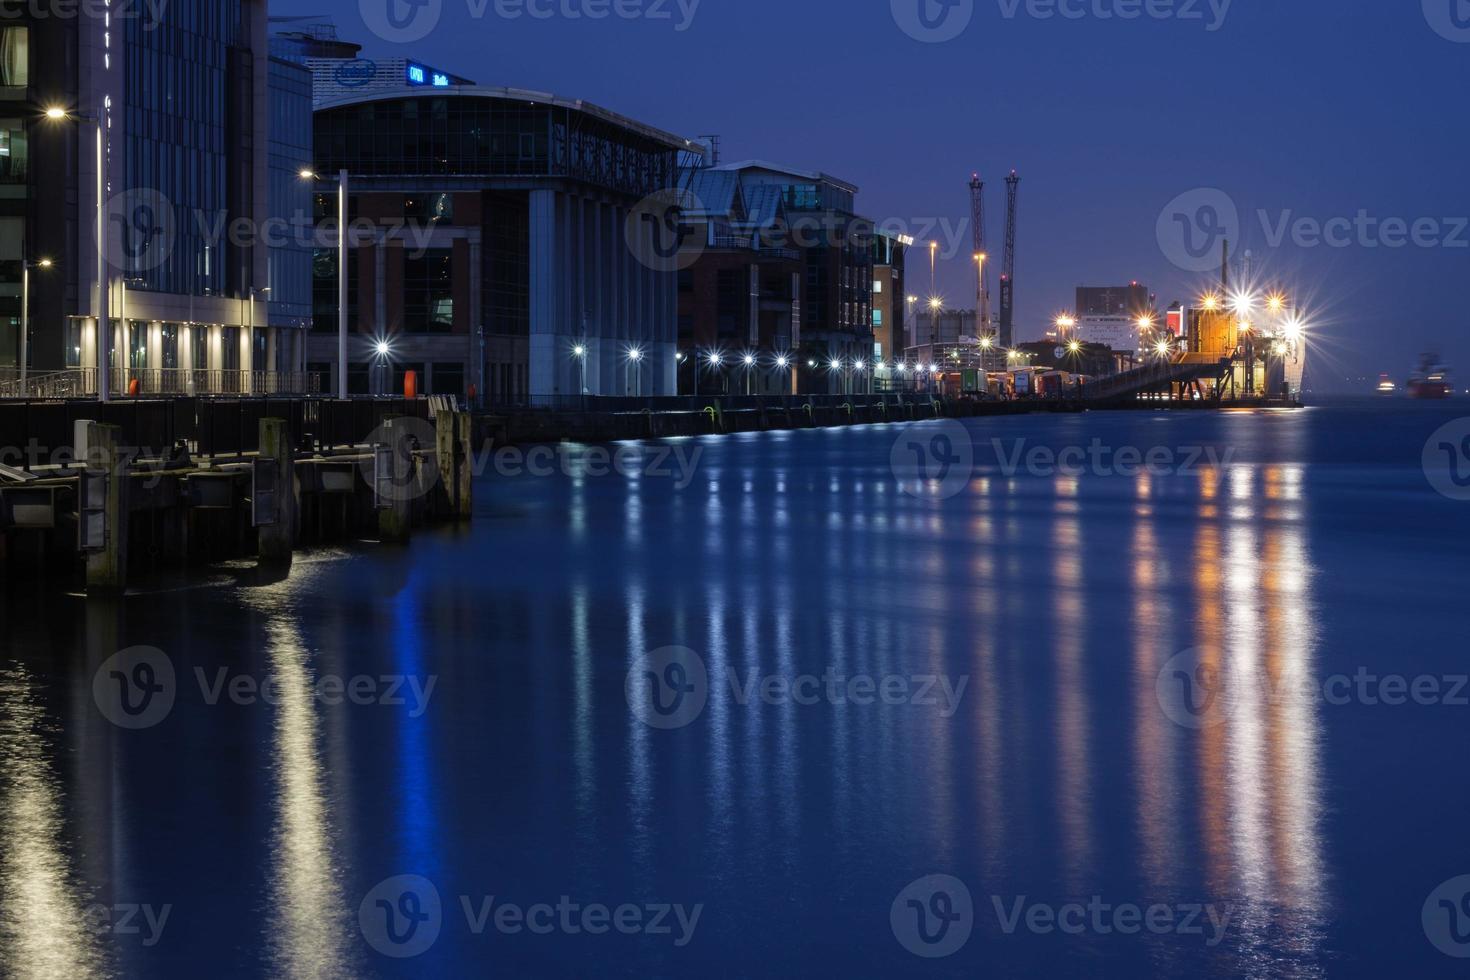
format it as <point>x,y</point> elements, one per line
<point>1059,777</point>
<point>49,920</point>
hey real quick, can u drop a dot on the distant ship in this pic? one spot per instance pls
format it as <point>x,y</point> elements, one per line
<point>1432,380</point>
<point>1386,385</point>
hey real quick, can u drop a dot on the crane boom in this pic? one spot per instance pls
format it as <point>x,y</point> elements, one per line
<point>1008,271</point>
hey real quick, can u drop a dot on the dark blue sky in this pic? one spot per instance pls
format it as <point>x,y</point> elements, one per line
<point>1315,109</point>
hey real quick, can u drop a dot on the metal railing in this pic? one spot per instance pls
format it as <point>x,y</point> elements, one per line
<point>82,383</point>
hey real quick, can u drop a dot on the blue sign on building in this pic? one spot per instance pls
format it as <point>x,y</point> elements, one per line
<point>419,75</point>
<point>355,73</point>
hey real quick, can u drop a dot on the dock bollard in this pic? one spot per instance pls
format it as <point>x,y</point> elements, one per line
<point>106,477</point>
<point>273,493</point>
<point>393,481</point>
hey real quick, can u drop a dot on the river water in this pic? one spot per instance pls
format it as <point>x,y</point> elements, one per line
<point>774,706</point>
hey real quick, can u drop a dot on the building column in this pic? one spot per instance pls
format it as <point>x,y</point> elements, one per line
<point>545,311</point>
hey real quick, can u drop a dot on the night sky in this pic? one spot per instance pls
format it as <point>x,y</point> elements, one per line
<point>1304,109</point>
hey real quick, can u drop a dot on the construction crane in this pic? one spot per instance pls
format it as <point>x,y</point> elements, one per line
<point>1008,270</point>
<point>977,218</point>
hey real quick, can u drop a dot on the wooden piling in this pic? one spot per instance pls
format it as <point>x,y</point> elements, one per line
<point>276,540</point>
<point>107,567</point>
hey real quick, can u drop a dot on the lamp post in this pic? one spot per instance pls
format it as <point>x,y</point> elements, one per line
<point>580,353</point>
<point>104,320</point>
<point>635,358</point>
<point>342,180</point>
<point>1243,303</point>
<point>25,312</point>
<point>749,361</point>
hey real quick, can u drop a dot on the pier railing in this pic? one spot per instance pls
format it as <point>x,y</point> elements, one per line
<point>82,382</point>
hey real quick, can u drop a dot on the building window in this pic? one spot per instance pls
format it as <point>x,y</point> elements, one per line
<point>877,286</point>
<point>137,345</point>
<point>324,305</point>
<point>170,339</point>
<point>428,292</point>
<point>14,152</point>
<point>448,378</point>
<point>15,57</point>
<point>73,343</point>
<point>199,347</point>
<point>877,318</point>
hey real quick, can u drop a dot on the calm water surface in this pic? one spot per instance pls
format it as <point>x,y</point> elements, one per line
<point>1062,771</point>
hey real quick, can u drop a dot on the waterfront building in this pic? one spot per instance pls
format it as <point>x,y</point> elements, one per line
<point>184,94</point>
<point>787,216</point>
<point>489,234</point>
<point>890,307</point>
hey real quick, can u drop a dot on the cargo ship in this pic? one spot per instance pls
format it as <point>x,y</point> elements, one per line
<point>1386,385</point>
<point>1432,380</point>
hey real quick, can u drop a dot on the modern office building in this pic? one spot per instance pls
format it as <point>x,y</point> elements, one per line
<point>490,246</point>
<point>788,215</point>
<point>182,93</point>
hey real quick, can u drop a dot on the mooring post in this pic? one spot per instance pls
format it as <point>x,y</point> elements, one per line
<point>273,493</point>
<point>464,423</point>
<point>454,453</point>
<point>103,509</point>
<point>393,468</point>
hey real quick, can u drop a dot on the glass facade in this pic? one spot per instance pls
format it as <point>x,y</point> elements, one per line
<point>181,75</point>
<point>290,195</point>
<point>482,136</point>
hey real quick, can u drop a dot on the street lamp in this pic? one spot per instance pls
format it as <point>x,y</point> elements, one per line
<point>25,312</point>
<point>579,351</point>
<point>635,358</point>
<point>341,276</point>
<point>748,359</point>
<point>104,319</point>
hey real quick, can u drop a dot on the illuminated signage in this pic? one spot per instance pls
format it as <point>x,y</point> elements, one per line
<point>419,75</point>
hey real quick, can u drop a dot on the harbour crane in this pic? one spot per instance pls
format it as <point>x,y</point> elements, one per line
<point>1008,269</point>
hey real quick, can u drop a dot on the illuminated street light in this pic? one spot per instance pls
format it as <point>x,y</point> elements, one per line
<point>1075,346</point>
<point>383,348</point>
<point>104,317</point>
<point>1211,302</point>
